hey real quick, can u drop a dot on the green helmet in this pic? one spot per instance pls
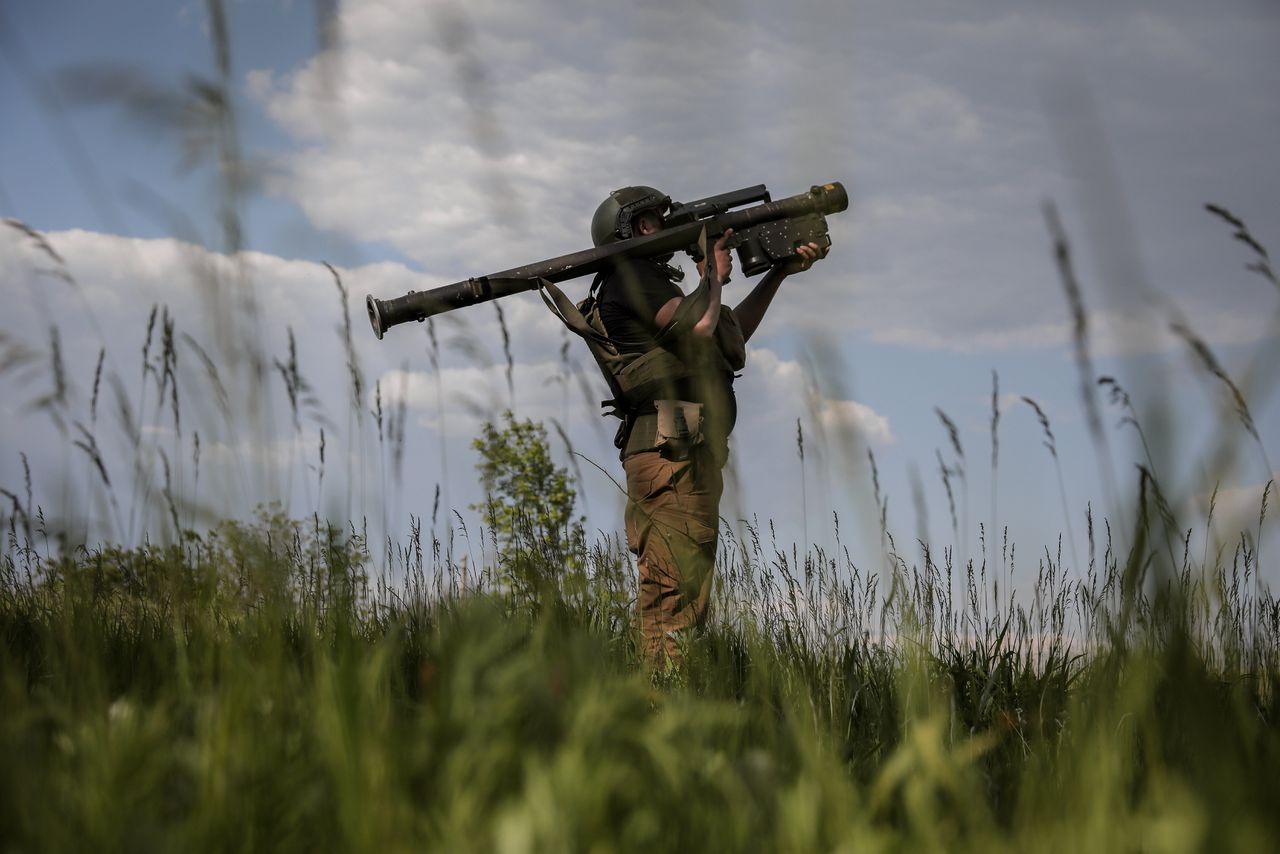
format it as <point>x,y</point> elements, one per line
<point>612,220</point>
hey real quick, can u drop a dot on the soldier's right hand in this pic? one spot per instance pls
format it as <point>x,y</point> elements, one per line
<point>806,256</point>
<point>723,257</point>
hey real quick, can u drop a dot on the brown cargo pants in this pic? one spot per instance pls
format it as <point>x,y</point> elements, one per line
<point>672,519</point>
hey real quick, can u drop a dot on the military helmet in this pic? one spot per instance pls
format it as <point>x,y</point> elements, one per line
<point>612,220</point>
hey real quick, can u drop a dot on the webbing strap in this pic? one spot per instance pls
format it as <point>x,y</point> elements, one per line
<point>563,307</point>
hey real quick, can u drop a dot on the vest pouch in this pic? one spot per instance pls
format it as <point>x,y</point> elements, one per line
<point>679,428</point>
<point>729,338</point>
<point>646,377</point>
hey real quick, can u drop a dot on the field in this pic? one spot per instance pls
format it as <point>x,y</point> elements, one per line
<point>174,679</point>
<point>253,687</point>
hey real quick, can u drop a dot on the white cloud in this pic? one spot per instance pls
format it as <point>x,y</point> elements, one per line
<point>1162,37</point>
<point>1048,335</point>
<point>472,395</point>
<point>911,210</point>
<point>923,107</point>
<point>838,415</point>
<point>1236,513</point>
<point>788,389</point>
<point>1111,333</point>
<point>481,137</point>
<point>254,452</point>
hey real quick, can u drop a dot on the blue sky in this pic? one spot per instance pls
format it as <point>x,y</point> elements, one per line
<point>439,141</point>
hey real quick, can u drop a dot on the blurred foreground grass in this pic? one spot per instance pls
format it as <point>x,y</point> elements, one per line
<point>252,688</point>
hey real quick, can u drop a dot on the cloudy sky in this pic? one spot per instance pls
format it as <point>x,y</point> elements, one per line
<point>414,144</point>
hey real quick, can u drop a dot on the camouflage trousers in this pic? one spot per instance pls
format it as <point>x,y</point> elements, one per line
<point>672,520</point>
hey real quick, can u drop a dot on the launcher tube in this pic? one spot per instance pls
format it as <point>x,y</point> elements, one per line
<point>419,305</point>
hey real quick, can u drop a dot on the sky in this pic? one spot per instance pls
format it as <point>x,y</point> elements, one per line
<point>411,145</point>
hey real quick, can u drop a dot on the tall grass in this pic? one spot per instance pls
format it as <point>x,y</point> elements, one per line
<point>253,686</point>
<point>183,681</point>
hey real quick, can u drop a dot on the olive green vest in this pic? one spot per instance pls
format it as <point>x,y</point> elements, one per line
<point>637,380</point>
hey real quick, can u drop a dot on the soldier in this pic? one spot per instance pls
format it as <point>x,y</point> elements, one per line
<point>670,359</point>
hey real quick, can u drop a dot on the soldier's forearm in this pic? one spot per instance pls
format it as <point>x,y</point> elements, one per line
<point>706,325</point>
<point>751,310</point>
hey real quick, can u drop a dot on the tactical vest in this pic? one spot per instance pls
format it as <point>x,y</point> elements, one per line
<point>638,380</point>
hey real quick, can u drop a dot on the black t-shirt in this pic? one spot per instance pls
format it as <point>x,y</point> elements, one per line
<point>630,297</point>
